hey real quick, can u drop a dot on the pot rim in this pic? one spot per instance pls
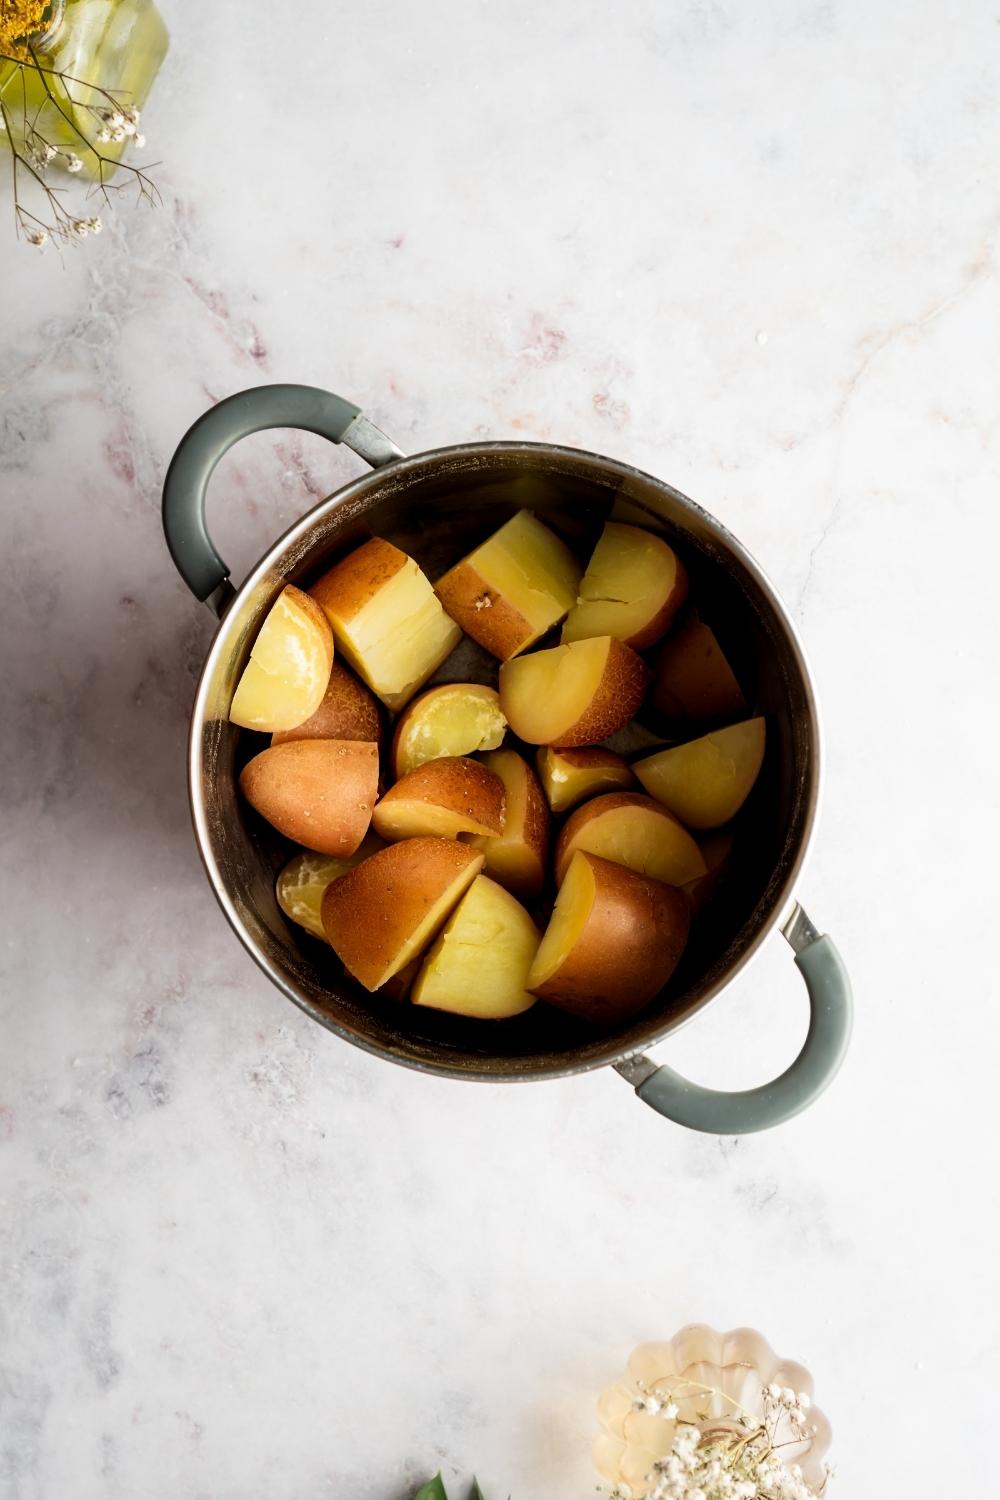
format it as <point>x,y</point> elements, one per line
<point>614,1053</point>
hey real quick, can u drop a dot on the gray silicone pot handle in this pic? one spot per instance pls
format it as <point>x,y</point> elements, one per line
<point>184,488</point>
<point>719,1113</point>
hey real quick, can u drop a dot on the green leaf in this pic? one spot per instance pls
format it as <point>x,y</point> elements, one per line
<point>433,1490</point>
<point>477,1493</point>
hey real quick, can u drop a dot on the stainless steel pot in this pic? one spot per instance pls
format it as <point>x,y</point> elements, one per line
<point>435,506</point>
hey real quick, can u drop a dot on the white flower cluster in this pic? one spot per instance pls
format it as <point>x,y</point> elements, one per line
<point>782,1402</point>
<point>79,228</point>
<point>742,1465</point>
<point>117,124</point>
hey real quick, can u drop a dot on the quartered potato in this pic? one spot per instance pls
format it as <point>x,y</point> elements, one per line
<point>572,695</point>
<point>614,940</point>
<point>289,667</point>
<point>479,964</point>
<point>387,620</point>
<point>633,587</point>
<point>513,588</point>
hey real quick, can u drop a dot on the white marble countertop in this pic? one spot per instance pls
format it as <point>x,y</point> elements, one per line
<point>752,251</point>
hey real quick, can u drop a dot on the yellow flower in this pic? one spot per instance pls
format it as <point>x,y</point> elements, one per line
<point>20,19</point>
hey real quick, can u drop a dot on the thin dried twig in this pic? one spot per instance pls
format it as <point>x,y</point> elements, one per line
<point>45,137</point>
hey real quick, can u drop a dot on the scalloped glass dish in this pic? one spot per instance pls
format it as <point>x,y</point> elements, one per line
<point>740,1364</point>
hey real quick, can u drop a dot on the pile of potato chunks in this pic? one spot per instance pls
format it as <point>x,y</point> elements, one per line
<point>418,860</point>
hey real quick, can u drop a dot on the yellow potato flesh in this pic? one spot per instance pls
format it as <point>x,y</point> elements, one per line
<point>641,839</point>
<point>418,819</point>
<point>531,569</point>
<point>629,578</point>
<point>566,784</point>
<point>546,693</point>
<point>516,857</point>
<point>706,782</point>
<point>284,681</point>
<point>453,721</point>
<point>300,886</point>
<point>569,917</point>
<point>399,637</point>
<point>479,964</point>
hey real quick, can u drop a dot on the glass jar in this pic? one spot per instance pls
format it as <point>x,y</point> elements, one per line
<point>84,47</point>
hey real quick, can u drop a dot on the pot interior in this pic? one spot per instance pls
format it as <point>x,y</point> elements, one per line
<point>436,507</point>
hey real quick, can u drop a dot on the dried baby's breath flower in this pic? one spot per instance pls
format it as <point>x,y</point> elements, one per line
<point>738,1458</point>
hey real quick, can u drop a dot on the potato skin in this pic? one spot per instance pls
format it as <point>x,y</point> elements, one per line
<point>641,640</point>
<point>454,782</point>
<point>628,949</point>
<point>518,859</point>
<point>692,680</point>
<point>320,793</point>
<point>348,712</point>
<point>371,912</point>
<point>346,588</point>
<point>481,612</point>
<point>619,695</point>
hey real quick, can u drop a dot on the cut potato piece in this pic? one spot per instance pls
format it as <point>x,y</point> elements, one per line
<point>634,831</point>
<point>517,857</point>
<point>613,942</point>
<point>479,964</point>
<point>455,719</point>
<point>692,680</point>
<point>716,849</point>
<point>300,886</point>
<point>632,589</point>
<point>318,792</point>
<point>568,776</point>
<point>706,781</point>
<point>443,798</point>
<point>348,712</point>
<point>387,619</point>
<point>513,588</point>
<point>398,986</point>
<point>572,695</point>
<point>385,911</point>
<point>289,667</point>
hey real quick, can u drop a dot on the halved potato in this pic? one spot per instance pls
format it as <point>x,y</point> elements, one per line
<point>385,911</point>
<point>480,961</point>
<point>347,712</point>
<point>716,849</point>
<point>568,776</point>
<point>455,719</point>
<point>575,694</point>
<point>512,588</point>
<point>517,857</point>
<point>387,619</point>
<point>443,798</point>
<point>706,781</point>
<point>318,792</point>
<point>289,667</point>
<point>300,886</point>
<point>692,680</point>
<point>633,587</point>
<point>613,942</point>
<point>634,831</point>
